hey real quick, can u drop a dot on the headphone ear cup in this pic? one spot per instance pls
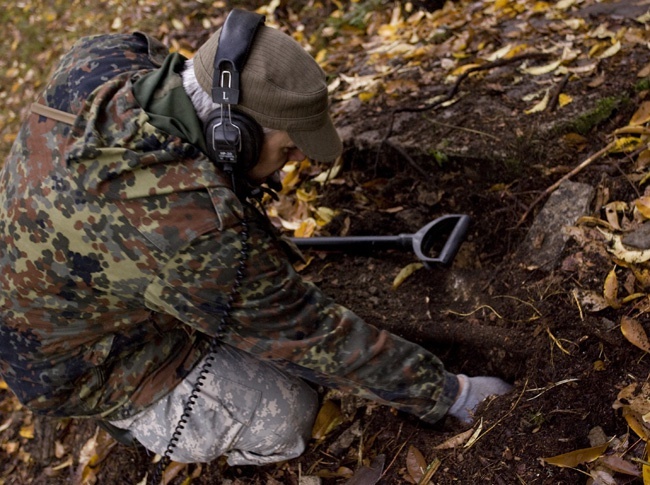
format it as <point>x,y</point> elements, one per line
<point>251,137</point>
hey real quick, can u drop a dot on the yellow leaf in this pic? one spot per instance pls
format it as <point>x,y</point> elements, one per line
<point>9,137</point>
<point>306,228</point>
<point>329,417</point>
<point>324,215</point>
<point>642,204</point>
<point>320,56</point>
<point>415,464</point>
<point>642,114</point>
<point>303,195</point>
<point>27,431</point>
<point>635,425</point>
<point>405,272</point>
<point>540,7</point>
<point>625,144</point>
<point>541,106</point>
<point>609,52</point>
<point>3,385</point>
<point>634,333</point>
<point>177,24</point>
<point>539,70</point>
<point>646,475</point>
<point>610,290</point>
<point>461,69</point>
<point>577,457</point>
<point>501,3</point>
<point>564,99</point>
<point>365,97</point>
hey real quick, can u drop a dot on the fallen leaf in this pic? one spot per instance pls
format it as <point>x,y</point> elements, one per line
<point>641,115</point>
<point>620,465</point>
<point>577,457</point>
<point>539,70</point>
<point>27,431</point>
<point>405,272</point>
<point>415,464</point>
<point>635,425</point>
<point>172,471</point>
<point>609,52</point>
<point>634,333</point>
<point>642,204</point>
<point>329,417</point>
<point>369,475</point>
<point>626,144</point>
<point>541,106</point>
<point>610,289</point>
<point>455,441</point>
<point>564,99</point>
<point>617,248</point>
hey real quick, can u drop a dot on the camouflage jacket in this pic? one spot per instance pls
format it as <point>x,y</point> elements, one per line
<point>119,246</point>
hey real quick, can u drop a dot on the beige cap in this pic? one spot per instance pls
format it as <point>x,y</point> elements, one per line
<point>282,87</point>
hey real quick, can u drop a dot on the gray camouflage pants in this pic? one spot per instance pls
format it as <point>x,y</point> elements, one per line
<point>247,409</point>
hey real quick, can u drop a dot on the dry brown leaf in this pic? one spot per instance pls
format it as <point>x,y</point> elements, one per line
<point>27,431</point>
<point>455,441</point>
<point>642,114</point>
<point>577,457</point>
<point>642,204</point>
<point>610,289</point>
<point>635,425</point>
<point>329,417</point>
<point>172,471</point>
<point>415,464</point>
<point>634,332</point>
<point>620,465</point>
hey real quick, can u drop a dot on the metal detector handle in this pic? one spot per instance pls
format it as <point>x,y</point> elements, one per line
<point>354,243</point>
<point>421,243</point>
<point>424,239</point>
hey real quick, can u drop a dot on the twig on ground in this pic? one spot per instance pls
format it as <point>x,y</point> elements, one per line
<point>462,128</point>
<point>406,156</point>
<point>555,96</point>
<point>573,172</point>
<point>451,93</point>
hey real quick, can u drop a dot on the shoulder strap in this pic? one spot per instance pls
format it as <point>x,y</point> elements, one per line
<point>55,114</point>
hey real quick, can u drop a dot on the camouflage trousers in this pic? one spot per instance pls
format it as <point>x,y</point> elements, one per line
<point>247,409</point>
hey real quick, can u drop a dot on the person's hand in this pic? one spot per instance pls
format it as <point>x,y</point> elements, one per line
<point>473,390</point>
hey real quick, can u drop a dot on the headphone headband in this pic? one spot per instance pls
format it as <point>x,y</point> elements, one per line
<point>234,140</point>
<point>235,42</point>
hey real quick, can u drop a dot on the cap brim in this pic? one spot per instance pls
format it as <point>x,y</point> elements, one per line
<point>321,145</point>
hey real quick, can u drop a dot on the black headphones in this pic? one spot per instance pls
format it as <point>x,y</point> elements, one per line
<point>233,139</point>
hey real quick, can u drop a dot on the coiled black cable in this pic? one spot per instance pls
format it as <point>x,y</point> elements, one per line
<point>214,344</point>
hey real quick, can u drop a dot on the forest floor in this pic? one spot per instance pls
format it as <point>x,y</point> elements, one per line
<point>476,108</point>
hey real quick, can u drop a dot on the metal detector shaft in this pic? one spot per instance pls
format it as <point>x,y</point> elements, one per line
<point>434,244</point>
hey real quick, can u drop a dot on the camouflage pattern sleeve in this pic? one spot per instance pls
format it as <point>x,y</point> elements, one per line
<point>282,318</point>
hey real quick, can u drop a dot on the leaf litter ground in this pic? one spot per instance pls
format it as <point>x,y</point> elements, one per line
<point>491,312</point>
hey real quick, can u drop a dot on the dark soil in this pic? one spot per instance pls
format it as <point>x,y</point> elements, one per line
<point>490,313</point>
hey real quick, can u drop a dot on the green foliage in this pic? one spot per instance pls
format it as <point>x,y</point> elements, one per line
<point>440,157</point>
<point>603,110</point>
<point>643,85</point>
<point>357,15</point>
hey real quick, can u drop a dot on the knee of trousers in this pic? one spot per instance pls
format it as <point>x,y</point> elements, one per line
<point>248,410</point>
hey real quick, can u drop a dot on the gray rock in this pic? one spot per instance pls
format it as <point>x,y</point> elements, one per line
<point>546,238</point>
